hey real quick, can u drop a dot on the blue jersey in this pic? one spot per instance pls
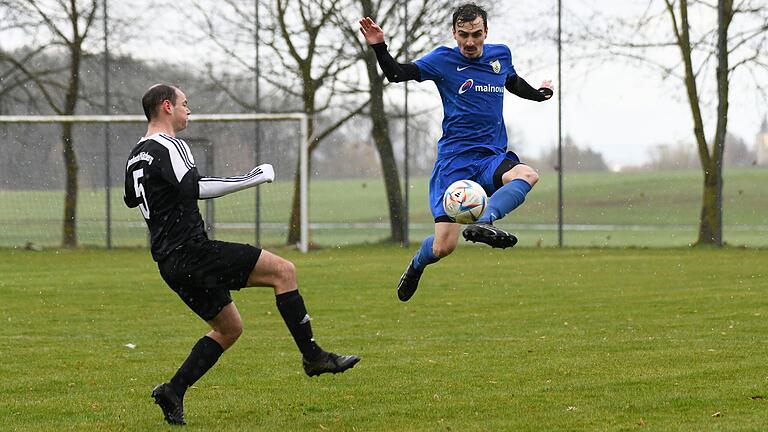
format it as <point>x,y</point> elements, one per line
<point>472,91</point>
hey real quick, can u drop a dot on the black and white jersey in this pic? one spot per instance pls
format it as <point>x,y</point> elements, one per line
<point>162,180</point>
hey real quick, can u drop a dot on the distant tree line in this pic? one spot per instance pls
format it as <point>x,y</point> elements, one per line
<point>682,155</point>
<point>575,158</point>
<point>60,72</point>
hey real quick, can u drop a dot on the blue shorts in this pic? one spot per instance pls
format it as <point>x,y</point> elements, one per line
<point>476,167</point>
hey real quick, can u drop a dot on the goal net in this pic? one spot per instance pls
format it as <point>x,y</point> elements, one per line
<point>33,174</point>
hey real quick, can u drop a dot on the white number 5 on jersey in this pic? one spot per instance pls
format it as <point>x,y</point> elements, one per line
<point>139,189</point>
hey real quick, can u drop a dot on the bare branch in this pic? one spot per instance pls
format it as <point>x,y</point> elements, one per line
<point>89,19</point>
<point>218,84</point>
<point>754,58</point>
<point>49,23</point>
<point>35,78</point>
<point>328,130</point>
<point>747,36</point>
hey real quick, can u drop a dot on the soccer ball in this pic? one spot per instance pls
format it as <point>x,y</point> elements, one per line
<point>464,201</point>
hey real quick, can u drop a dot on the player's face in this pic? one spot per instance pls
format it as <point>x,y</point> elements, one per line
<point>470,37</point>
<point>180,112</point>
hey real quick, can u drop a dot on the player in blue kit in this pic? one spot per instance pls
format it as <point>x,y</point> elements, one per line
<point>471,79</point>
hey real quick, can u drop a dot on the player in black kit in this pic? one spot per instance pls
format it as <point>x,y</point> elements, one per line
<point>162,180</point>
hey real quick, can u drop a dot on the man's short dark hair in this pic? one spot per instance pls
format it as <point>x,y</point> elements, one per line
<point>155,96</point>
<point>468,12</point>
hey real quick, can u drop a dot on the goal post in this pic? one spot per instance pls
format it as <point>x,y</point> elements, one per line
<point>301,118</point>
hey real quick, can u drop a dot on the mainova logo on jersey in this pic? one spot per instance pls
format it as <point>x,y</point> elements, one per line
<point>485,88</point>
<point>466,86</point>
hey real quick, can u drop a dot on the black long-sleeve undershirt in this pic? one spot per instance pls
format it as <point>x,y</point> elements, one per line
<point>394,71</point>
<point>519,87</point>
<point>399,72</point>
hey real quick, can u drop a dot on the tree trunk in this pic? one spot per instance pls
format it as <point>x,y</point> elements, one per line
<point>711,224</point>
<point>711,221</point>
<point>380,133</point>
<point>294,224</point>
<point>69,237</point>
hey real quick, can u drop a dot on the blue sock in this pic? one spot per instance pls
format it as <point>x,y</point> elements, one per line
<point>504,200</point>
<point>425,256</point>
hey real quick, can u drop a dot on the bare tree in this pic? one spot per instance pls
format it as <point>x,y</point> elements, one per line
<point>718,42</point>
<point>66,25</point>
<point>307,65</point>
<point>428,22</point>
<point>309,43</point>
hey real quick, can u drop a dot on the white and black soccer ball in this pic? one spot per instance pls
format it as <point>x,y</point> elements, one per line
<point>464,201</point>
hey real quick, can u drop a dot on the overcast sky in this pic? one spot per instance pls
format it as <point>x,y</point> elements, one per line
<point>618,109</point>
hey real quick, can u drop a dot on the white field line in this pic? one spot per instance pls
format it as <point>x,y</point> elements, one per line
<point>526,227</point>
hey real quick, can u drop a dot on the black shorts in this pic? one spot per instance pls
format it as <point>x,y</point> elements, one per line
<point>202,273</point>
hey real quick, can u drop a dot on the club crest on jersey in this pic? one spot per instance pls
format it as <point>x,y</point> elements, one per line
<point>466,86</point>
<point>496,66</point>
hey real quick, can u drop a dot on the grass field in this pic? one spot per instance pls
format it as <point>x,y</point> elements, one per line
<point>646,209</point>
<point>518,340</point>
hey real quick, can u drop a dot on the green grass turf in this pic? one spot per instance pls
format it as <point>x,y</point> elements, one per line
<point>520,340</point>
<point>667,203</point>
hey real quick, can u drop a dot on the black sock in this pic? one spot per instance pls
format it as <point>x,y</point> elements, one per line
<point>204,355</point>
<point>291,307</point>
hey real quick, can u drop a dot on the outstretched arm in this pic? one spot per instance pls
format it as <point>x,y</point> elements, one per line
<point>394,71</point>
<point>213,187</point>
<point>519,87</point>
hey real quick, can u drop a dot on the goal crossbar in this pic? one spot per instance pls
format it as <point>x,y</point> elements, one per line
<point>136,118</point>
<point>302,118</point>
